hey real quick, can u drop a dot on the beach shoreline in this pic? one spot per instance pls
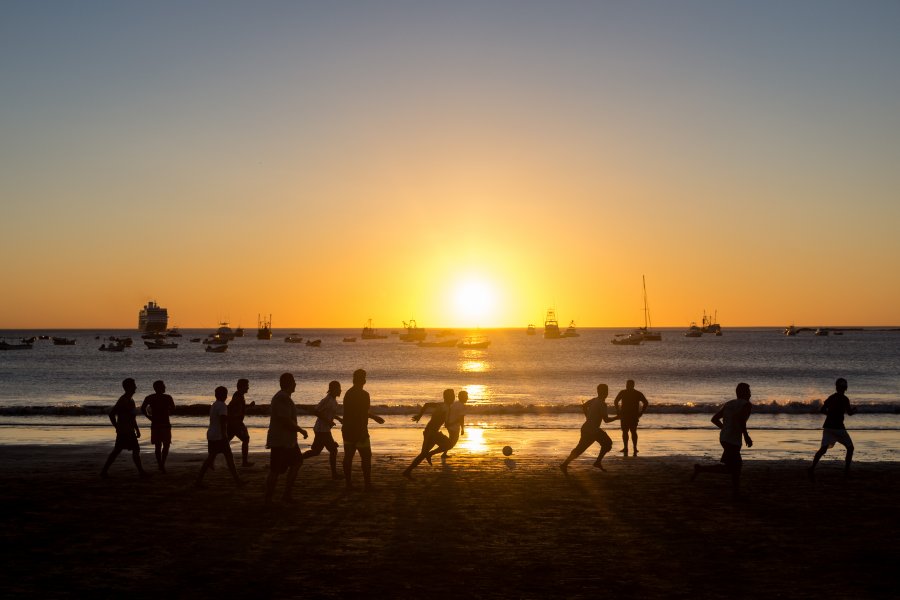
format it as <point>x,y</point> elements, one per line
<point>480,525</point>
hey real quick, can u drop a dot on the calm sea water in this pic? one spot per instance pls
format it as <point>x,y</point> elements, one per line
<point>526,386</point>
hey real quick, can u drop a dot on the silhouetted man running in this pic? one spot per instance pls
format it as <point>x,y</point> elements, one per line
<point>595,414</point>
<point>432,435</point>
<point>630,405</point>
<point>833,431</point>
<point>732,423</point>
<point>237,408</point>
<point>282,439</point>
<point>122,416</point>
<point>455,424</point>
<point>355,429</point>
<point>157,407</point>
<point>326,415</point>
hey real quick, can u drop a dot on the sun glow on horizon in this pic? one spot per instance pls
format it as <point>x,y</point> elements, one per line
<point>475,302</point>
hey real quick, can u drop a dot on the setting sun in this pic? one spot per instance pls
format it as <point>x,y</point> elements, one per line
<point>475,302</point>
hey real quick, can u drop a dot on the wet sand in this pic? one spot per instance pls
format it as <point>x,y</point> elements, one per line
<point>479,526</point>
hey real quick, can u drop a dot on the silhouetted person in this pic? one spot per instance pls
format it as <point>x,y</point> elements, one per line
<point>217,437</point>
<point>630,405</point>
<point>282,440</point>
<point>157,407</point>
<point>732,423</point>
<point>432,435</point>
<point>595,414</point>
<point>355,429</point>
<point>237,408</point>
<point>122,416</point>
<point>326,415</point>
<point>455,424</point>
<point>833,431</point>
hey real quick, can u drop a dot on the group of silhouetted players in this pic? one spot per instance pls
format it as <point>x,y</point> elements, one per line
<point>226,422</point>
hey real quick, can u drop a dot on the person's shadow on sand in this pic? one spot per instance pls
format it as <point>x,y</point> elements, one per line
<point>510,463</point>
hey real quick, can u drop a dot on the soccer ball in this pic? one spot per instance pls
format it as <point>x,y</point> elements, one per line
<point>507,450</point>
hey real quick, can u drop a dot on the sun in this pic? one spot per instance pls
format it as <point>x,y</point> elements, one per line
<point>474,302</point>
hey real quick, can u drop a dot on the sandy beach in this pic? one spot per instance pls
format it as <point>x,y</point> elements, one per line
<point>478,526</point>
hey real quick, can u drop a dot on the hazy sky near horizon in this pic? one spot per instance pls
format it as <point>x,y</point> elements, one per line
<point>331,162</point>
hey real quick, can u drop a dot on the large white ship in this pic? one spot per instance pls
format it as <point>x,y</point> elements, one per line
<point>153,318</point>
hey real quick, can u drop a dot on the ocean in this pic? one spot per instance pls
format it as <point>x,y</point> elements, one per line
<point>523,387</point>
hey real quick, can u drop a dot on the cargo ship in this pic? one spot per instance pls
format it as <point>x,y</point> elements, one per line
<point>153,318</point>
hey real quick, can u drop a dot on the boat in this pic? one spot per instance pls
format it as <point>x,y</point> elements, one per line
<point>124,341</point>
<point>173,332</point>
<point>414,333</point>
<point>239,332</point>
<point>153,317</point>
<point>314,343</point>
<point>571,331</point>
<point>647,335</point>
<point>29,340</point>
<point>790,330</point>
<point>215,340</point>
<point>530,330</point>
<point>474,343</point>
<point>59,341</point>
<point>370,333</point>
<point>627,339</point>
<point>43,337</point>
<point>160,345</point>
<point>112,348</point>
<point>693,331</point>
<point>440,344</point>
<point>821,332</point>
<point>709,324</point>
<point>551,325</point>
<point>222,348</point>
<point>225,332</point>
<point>349,339</point>
<point>4,345</point>
<point>195,340</point>
<point>293,339</point>
<point>263,328</point>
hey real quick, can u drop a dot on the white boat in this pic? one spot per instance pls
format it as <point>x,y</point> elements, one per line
<point>571,331</point>
<point>474,343</point>
<point>530,330</point>
<point>551,325</point>
<point>627,339</point>
<point>153,318</point>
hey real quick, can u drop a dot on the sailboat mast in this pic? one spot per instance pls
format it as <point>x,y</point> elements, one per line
<point>646,307</point>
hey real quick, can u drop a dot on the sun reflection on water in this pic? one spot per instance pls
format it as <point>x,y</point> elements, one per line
<point>473,440</point>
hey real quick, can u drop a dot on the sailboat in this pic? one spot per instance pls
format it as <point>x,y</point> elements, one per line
<point>644,332</point>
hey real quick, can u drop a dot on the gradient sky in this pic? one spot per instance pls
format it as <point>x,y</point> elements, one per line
<point>331,162</point>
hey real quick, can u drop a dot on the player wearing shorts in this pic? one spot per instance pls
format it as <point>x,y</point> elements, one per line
<point>282,440</point>
<point>455,424</point>
<point>326,415</point>
<point>355,429</point>
<point>157,407</point>
<point>432,435</point>
<point>122,416</point>
<point>595,414</point>
<point>833,431</point>
<point>630,405</point>
<point>732,423</point>
<point>217,438</point>
<point>237,408</point>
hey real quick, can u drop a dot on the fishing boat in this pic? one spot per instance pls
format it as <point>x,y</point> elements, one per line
<point>263,328</point>
<point>61,341</point>
<point>551,325</point>
<point>474,343</point>
<point>647,335</point>
<point>709,324</point>
<point>414,333</point>
<point>293,339</point>
<point>790,330</point>
<point>4,345</point>
<point>239,332</point>
<point>440,344</point>
<point>219,349</point>
<point>530,330</point>
<point>314,343</point>
<point>153,317</point>
<point>370,333</point>
<point>571,331</point>
<point>160,345</point>
<point>225,332</point>
<point>627,339</point>
<point>349,339</point>
<point>821,332</point>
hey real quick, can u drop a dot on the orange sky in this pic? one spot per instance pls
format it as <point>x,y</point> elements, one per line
<point>328,166</point>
